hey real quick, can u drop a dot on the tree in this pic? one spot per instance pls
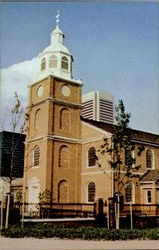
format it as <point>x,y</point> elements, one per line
<point>16,124</point>
<point>44,202</point>
<point>122,161</point>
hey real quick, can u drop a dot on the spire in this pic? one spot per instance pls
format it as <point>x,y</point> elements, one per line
<point>57,35</point>
<point>56,59</point>
<point>57,18</point>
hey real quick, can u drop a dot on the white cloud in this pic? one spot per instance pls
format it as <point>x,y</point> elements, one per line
<point>16,77</point>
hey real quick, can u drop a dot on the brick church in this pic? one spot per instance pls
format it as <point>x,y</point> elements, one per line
<point>61,146</point>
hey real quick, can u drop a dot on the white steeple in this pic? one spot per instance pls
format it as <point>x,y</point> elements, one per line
<point>56,59</point>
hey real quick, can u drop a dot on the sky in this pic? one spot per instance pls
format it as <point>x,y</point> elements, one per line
<point>115,46</point>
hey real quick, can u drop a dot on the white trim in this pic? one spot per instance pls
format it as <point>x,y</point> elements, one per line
<point>85,141</point>
<point>95,172</point>
<point>105,171</point>
<point>62,138</point>
<point>55,100</point>
<point>76,82</point>
<point>59,220</point>
<point>54,137</point>
<point>146,143</point>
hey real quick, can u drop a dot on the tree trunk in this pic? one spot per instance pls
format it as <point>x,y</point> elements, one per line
<point>117,214</point>
<point>7,210</point>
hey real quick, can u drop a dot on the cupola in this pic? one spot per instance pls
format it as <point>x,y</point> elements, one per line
<point>56,59</point>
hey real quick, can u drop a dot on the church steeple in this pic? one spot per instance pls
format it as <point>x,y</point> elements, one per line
<point>57,35</point>
<point>56,59</point>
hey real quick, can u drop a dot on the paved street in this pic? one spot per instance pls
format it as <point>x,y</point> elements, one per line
<point>56,244</point>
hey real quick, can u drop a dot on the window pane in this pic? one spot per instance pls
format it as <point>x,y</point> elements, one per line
<point>53,62</point>
<point>149,158</point>
<point>43,64</point>
<point>36,156</point>
<point>129,192</point>
<point>91,192</point>
<point>64,63</point>
<point>149,198</point>
<point>128,156</point>
<point>91,157</point>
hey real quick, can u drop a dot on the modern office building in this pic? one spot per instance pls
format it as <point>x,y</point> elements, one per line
<point>11,161</point>
<point>98,106</point>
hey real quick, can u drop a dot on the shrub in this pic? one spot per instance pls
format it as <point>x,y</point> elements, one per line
<point>49,231</point>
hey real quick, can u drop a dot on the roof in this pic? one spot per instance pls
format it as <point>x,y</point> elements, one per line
<point>56,47</point>
<point>150,175</point>
<point>17,182</point>
<point>137,135</point>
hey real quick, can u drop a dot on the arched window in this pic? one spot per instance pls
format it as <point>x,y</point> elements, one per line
<point>149,159</point>
<point>63,191</point>
<point>64,63</point>
<point>36,156</point>
<point>64,157</point>
<point>92,157</point>
<point>43,64</point>
<point>37,119</point>
<point>52,62</point>
<point>129,192</point>
<point>129,157</point>
<point>64,119</point>
<point>91,191</point>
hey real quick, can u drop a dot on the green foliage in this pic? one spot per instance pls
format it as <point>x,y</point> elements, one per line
<point>49,231</point>
<point>120,148</point>
<point>19,197</point>
<point>45,196</point>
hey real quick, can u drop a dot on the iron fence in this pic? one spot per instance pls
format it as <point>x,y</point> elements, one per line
<point>56,210</point>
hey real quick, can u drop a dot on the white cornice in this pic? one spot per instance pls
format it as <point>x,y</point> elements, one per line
<point>72,81</point>
<point>56,101</point>
<point>105,172</point>
<point>55,138</point>
<point>64,139</point>
<point>146,143</point>
<point>93,139</point>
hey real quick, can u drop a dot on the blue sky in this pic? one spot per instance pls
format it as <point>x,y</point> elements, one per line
<point>115,47</point>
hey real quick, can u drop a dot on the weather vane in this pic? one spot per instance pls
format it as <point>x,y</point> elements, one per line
<point>58,18</point>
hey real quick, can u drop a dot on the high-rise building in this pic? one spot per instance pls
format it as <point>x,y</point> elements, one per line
<point>98,106</point>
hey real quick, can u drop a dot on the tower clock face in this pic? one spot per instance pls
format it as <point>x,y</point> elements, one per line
<point>66,91</point>
<point>40,91</point>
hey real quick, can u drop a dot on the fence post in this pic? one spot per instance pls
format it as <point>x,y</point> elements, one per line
<point>100,217</point>
<point>2,213</point>
<point>131,217</point>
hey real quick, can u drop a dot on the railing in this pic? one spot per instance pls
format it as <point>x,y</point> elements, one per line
<point>61,210</point>
<point>140,209</point>
<point>56,210</point>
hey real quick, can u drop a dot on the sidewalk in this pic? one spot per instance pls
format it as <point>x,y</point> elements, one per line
<point>58,244</point>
